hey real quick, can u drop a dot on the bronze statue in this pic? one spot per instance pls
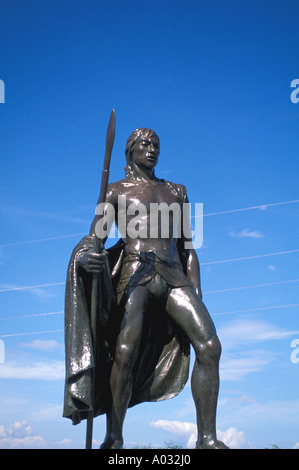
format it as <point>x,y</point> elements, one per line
<point>150,310</point>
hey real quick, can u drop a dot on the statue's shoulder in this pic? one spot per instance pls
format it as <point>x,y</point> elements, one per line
<point>122,186</point>
<point>178,189</point>
<point>117,184</point>
<point>115,188</point>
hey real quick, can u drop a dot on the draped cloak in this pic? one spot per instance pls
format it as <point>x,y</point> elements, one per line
<point>162,367</point>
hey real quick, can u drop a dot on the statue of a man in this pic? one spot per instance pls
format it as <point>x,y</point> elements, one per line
<point>143,345</point>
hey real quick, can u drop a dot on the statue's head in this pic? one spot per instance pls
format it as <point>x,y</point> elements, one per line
<point>140,139</point>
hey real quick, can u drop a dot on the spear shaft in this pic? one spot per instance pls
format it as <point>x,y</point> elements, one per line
<point>95,292</point>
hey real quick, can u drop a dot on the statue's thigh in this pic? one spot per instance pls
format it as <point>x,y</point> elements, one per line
<point>186,308</point>
<point>132,318</point>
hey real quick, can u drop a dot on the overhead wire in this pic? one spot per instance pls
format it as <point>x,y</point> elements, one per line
<point>250,257</point>
<point>2,245</point>
<point>257,309</point>
<point>16,317</point>
<point>32,287</point>
<point>8,289</point>
<point>261,207</point>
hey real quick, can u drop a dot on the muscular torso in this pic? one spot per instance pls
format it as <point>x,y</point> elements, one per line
<point>128,194</point>
<point>136,206</point>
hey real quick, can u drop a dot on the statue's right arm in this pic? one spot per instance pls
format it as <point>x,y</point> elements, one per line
<point>92,261</point>
<point>111,199</point>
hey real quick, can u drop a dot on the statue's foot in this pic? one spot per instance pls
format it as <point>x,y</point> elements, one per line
<point>110,444</point>
<point>210,445</point>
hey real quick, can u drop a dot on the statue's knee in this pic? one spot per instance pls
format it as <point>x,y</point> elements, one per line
<point>125,356</point>
<point>209,350</point>
<point>216,347</point>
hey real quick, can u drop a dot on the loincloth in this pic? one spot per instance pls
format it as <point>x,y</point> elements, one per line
<point>140,268</point>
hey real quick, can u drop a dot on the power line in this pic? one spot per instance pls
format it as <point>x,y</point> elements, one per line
<point>42,239</point>
<point>32,287</point>
<point>250,287</point>
<point>262,206</point>
<point>32,333</point>
<point>17,317</point>
<point>256,309</point>
<point>250,257</point>
<point>213,314</point>
<point>202,264</point>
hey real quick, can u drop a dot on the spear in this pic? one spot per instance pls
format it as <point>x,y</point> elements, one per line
<point>98,247</point>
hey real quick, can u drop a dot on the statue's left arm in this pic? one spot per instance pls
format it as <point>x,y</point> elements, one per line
<point>192,265</point>
<point>193,270</point>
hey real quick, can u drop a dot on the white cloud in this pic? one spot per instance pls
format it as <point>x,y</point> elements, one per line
<point>279,414</point>
<point>47,413</point>
<point>17,429</point>
<point>41,293</point>
<point>248,331</point>
<point>246,233</point>
<point>237,362</point>
<point>175,427</point>
<point>54,370</point>
<point>179,429</point>
<point>237,367</point>
<point>35,291</point>
<point>232,437</point>
<point>19,435</point>
<point>43,345</point>
<point>271,267</point>
<point>67,444</point>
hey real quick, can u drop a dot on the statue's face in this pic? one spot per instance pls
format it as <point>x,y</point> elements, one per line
<point>146,152</point>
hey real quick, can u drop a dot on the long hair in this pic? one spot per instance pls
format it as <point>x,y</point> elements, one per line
<point>131,142</point>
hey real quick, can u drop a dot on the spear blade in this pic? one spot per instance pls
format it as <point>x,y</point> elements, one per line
<point>109,145</point>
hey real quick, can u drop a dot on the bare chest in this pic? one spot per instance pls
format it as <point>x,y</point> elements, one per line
<point>147,194</point>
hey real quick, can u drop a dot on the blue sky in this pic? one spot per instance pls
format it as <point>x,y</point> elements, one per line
<point>213,80</point>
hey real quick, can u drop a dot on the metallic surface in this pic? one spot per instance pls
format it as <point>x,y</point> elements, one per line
<point>151,311</point>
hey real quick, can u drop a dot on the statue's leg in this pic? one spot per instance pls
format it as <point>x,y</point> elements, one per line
<point>189,312</point>
<point>125,356</point>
